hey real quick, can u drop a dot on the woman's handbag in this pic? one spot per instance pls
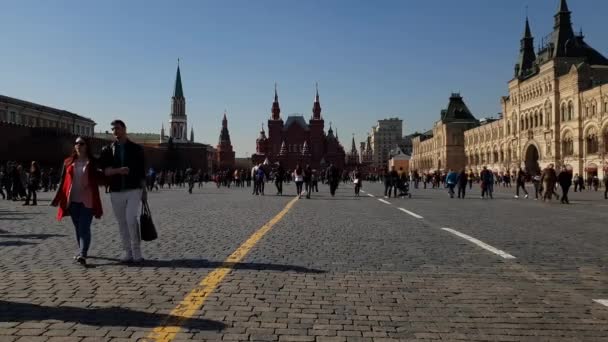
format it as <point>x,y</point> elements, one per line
<point>146,226</point>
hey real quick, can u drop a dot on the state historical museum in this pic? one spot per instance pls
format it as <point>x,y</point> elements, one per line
<point>297,141</point>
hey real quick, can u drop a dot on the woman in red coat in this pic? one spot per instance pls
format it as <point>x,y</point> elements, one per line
<point>78,195</point>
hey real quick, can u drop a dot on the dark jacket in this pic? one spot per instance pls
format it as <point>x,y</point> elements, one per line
<point>564,178</point>
<point>462,179</point>
<point>133,159</point>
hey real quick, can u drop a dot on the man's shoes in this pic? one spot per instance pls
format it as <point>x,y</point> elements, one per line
<point>526,196</point>
<point>516,196</point>
<point>81,260</point>
<point>127,258</point>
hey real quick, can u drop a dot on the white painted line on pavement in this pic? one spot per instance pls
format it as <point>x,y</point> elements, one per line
<point>383,201</point>
<point>370,195</point>
<point>481,244</point>
<point>604,302</point>
<point>411,213</point>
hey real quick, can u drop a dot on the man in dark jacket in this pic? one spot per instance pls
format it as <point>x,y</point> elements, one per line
<point>279,176</point>
<point>565,181</point>
<point>521,183</point>
<point>462,181</point>
<point>548,179</point>
<point>124,165</point>
<point>333,178</point>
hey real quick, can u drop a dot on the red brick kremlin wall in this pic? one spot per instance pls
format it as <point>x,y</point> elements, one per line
<point>50,147</point>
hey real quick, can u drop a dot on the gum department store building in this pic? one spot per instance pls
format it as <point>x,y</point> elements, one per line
<point>556,113</point>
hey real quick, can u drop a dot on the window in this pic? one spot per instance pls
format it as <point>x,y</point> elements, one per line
<point>13,117</point>
<point>567,145</point>
<point>591,141</point>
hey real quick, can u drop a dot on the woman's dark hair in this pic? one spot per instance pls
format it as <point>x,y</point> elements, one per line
<point>88,152</point>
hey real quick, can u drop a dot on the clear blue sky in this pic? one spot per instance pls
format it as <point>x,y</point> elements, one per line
<point>372,59</point>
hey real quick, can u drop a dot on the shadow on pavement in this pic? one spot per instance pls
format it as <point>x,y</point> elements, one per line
<point>16,243</point>
<point>194,263</point>
<point>113,316</point>
<point>3,234</point>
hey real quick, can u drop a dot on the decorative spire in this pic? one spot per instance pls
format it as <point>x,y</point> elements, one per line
<point>353,147</point>
<point>562,33</point>
<point>283,150</point>
<point>225,135</point>
<point>178,91</point>
<point>192,134</point>
<point>276,109</point>
<point>527,31</point>
<point>527,56</point>
<point>316,107</point>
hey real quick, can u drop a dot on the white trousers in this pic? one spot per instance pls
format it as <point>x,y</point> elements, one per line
<point>127,208</point>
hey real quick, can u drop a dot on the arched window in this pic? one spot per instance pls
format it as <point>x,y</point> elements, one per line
<point>567,145</point>
<point>570,111</point>
<point>535,120</point>
<point>563,112</point>
<point>593,108</point>
<point>540,118</point>
<point>591,141</point>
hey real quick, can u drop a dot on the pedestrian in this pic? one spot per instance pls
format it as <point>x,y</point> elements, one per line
<point>279,176</point>
<point>33,182</point>
<point>190,179</point>
<point>387,183</point>
<point>487,183</point>
<point>78,195</point>
<point>565,181</point>
<point>333,178</point>
<point>298,177</point>
<point>521,183</point>
<point>549,179</point>
<point>308,180</point>
<point>462,182</point>
<point>254,172</point>
<point>393,182</point>
<point>358,181</point>
<point>260,179</point>
<point>123,163</point>
<point>451,179</point>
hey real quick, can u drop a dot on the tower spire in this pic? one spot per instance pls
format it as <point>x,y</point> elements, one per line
<point>562,30</point>
<point>316,107</point>
<point>178,91</point>
<point>527,56</point>
<point>276,109</point>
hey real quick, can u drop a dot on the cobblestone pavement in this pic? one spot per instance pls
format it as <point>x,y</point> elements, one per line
<point>332,269</point>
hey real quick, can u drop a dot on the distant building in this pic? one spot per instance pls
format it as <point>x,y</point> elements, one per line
<point>225,154</point>
<point>297,141</point>
<point>384,136</point>
<point>31,114</point>
<point>443,148</point>
<point>399,160</point>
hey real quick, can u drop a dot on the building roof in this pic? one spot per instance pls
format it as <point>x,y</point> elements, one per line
<point>457,111</point>
<point>178,91</point>
<point>295,119</point>
<point>43,108</point>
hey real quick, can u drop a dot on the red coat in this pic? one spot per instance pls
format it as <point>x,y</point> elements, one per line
<point>62,197</point>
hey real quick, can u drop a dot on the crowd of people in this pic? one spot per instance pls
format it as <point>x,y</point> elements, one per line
<point>21,183</point>
<point>545,183</point>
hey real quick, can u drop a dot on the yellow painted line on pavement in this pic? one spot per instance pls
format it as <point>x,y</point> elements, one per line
<point>196,298</point>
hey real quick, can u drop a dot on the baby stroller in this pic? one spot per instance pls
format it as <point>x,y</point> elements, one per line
<point>404,189</point>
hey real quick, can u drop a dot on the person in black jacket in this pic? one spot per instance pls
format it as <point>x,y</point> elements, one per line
<point>462,180</point>
<point>333,178</point>
<point>124,165</point>
<point>565,181</point>
<point>33,181</point>
<point>279,176</point>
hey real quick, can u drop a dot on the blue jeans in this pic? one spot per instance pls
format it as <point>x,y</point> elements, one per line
<point>82,218</point>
